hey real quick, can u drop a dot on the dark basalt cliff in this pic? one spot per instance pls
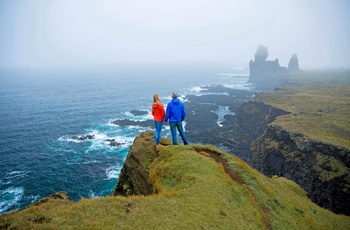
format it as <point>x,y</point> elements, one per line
<point>321,169</point>
<point>133,178</point>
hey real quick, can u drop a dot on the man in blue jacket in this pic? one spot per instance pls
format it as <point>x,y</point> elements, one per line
<point>176,113</point>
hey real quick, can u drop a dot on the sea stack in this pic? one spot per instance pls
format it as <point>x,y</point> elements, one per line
<point>264,71</point>
<point>293,65</point>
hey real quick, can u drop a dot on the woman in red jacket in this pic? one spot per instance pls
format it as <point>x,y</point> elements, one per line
<point>158,113</point>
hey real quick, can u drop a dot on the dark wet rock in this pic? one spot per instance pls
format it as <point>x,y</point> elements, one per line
<point>127,122</point>
<point>62,195</point>
<point>113,142</point>
<point>321,169</point>
<point>138,112</point>
<point>83,138</point>
<point>90,137</point>
<point>134,177</point>
<point>201,118</point>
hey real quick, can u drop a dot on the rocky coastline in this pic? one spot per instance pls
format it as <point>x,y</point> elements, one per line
<point>248,134</point>
<point>190,187</point>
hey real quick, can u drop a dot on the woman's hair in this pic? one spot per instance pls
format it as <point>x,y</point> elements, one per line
<point>156,99</point>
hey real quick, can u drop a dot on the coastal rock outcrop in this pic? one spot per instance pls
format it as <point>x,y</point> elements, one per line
<point>321,169</point>
<point>134,176</point>
<point>293,65</point>
<point>83,138</point>
<point>265,72</point>
<point>127,122</point>
<point>133,179</point>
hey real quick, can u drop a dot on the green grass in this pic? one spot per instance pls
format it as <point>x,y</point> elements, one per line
<point>319,106</point>
<point>192,191</point>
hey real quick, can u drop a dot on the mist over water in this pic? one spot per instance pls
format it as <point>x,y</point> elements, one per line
<point>64,33</point>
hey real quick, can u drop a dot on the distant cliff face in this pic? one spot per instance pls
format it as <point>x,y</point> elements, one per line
<point>321,169</point>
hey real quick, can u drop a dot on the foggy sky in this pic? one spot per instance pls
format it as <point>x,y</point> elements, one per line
<point>36,33</point>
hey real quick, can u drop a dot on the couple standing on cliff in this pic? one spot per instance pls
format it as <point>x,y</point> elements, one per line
<point>175,113</point>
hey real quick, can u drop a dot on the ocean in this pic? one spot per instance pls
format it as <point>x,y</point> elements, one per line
<point>42,110</point>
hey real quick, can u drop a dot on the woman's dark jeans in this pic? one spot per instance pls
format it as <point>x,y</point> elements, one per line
<point>158,125</point>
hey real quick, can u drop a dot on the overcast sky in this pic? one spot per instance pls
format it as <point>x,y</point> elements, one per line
<point>104,32</point>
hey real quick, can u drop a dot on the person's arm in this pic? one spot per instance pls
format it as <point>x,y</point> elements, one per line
<point>162,111</point>
<point>167,114</point>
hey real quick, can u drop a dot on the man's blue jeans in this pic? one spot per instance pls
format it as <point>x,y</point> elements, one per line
<point>178,125</point>
<point>158,125</point>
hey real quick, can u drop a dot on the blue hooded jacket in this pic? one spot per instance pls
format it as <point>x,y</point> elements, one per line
<point>175,111</point>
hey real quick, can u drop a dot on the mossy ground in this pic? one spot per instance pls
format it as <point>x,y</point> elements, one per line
<point>319,106</point>
<point>192,191</point>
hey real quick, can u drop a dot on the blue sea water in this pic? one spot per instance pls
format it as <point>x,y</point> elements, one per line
<point>41,110</point>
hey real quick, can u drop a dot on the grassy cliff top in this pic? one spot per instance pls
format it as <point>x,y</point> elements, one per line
<point>196,187</point>
<point>319,105</point>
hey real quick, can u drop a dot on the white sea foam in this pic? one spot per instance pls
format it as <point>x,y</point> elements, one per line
<point>225,74</point>
<point>243,86</point>
<point>100,141</point>
<point>92,194</point>
<point>198,89</point>
<point>98,135</point>
<point>66,138</point>
<point>113,172</point>
<point>96,146</point>
<point>236,75</point>
<point>184,100</point>
<point>33,198</point>
<point>217,93</point>
<point>167,98</point>
<point>221,112</point>
<point>91,162</point>
<point>149,115</point>
<point>133,117</point>
<point>10,198</point>
<point>14,174</point>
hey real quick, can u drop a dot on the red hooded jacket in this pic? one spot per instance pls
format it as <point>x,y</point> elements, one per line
<point>158,112</point>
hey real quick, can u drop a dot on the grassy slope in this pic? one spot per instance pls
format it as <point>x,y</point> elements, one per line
<point>319,103</point>
<point>192,192</point>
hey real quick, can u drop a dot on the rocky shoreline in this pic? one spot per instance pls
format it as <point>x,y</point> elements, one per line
<point>246,135</point>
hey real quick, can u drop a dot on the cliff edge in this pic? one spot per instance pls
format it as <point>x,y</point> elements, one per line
<point>301,131</point>
<point>186,187</point>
